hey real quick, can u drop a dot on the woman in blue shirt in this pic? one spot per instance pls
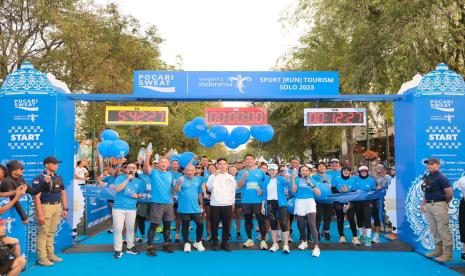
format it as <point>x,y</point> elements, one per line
<point>344,184</point>
<point>128,189</point>
<point>305,189</point>
<point>324,208</point>
<point>275,190</point>
<point>363,182</point>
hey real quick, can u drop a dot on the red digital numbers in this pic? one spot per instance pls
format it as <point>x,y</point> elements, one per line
<point>236,116</point>
<point>335,118</point>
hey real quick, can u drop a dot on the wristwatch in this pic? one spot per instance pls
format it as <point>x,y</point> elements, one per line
<point>65,209</point>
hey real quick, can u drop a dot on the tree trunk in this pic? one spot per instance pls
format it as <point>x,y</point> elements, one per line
<point>350,144</point>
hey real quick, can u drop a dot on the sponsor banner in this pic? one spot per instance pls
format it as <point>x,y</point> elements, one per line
<point>436,125</point>
<point>235,85</point>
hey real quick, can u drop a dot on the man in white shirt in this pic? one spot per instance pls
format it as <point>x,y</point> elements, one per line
<point>223,187</point>
<point>80,173</point>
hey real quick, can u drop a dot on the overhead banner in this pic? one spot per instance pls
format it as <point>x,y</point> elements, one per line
<point>136,115</point>
<point>236,116</point>
<point>235,85</point>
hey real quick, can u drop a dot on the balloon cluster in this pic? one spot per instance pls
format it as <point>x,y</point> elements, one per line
<point>111,145</point>
<point>197,128</point>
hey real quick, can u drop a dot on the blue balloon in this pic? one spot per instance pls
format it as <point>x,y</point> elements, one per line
<point>199,126</point>
<point>262,133</point>
<point>325,191</point>
<point>104,148</point>
<point>189,131</point>
<point>109,135</point>
<point>218,133</point>
<point>185,158</point>
<point>119,149</point>
<point>206,140</point>
<point>240,135</point>
<point>230,143</point>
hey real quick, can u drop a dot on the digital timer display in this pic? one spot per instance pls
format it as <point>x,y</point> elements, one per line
<point>136,115</point>
<point>334,116</point>
<point>236,116</point>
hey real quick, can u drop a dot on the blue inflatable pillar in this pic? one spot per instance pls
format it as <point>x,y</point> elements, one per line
<point>37,121</point>
<point>429,122</point>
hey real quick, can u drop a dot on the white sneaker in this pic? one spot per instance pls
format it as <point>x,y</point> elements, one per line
<point>303,245</point>
<point>316,252</point>
<point>356,241</point>
<point>342,239</point>
<point>286,249</point>
<point>263,245</point>
<point>248,243</point>
<point>376,238</point>
<point>274,247</point>
<point>187,247</point>
<point>198,246</point>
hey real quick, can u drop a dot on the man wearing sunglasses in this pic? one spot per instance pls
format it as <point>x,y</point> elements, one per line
<point>14,180</point>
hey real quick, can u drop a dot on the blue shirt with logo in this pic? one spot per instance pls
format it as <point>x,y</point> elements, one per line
<point>176,176</point>
<point>334,173</point>
<point>109,179</point>
<point>340,182</point>
<point>188,201</point>
<point>364,184</point>
<point>124,199</point>
<point>253,183</point>
<point>304,190</point>
<point>161,186</point>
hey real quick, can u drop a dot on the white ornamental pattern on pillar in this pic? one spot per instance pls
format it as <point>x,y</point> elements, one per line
<point>25,137</point>
<point>419,221</point>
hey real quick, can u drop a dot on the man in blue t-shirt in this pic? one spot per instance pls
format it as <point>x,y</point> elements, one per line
<point>438,194</point>
<point>161,208</point>
<point>176,175</point>
<point>250,180</point>
<point>128,189</point>
<point>189,188</point>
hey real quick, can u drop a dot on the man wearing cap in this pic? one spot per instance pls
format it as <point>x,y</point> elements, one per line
<point>438,194</point>
<point>51,207</point>
<point>13,181</point>
<point>11,261</point>
<point>335,170</point>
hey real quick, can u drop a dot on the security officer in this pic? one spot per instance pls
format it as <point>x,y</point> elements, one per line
<point>51,207</point>
<point>438,194</point>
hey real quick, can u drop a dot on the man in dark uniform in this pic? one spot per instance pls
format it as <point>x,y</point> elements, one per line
<point>51,207</point>
<point>13,181</point>
<point>438,194</point>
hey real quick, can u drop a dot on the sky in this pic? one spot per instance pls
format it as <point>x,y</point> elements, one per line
<point>217,35</point>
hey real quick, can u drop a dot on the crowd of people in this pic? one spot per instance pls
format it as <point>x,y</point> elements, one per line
<point>215,193</point>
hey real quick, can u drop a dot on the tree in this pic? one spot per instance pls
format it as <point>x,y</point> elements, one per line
<point>377,45</point>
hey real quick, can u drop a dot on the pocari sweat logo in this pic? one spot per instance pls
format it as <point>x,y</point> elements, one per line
<point>443,105</point>
<point>27,104</point>
<point>239,82</point>
<point>163,83</point>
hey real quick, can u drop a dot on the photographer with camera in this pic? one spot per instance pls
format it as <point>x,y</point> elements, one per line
<point>438,194</point>
<point>9,247</point>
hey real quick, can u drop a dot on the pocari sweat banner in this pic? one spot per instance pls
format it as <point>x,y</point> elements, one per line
<point>235,85</point>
